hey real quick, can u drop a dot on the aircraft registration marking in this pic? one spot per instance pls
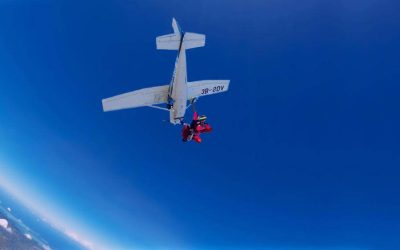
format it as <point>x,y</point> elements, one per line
<point>212,90</point>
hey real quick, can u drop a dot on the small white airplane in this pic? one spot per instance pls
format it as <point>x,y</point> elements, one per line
<point>177,94</point>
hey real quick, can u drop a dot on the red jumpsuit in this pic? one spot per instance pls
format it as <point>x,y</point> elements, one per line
<point>193,131</point>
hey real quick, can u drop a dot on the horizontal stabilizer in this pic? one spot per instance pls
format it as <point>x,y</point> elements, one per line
<point>138,98</point>
<point>206,87</point>
<point>173,41</point>
<point>194,40</point>
<point>169,42</point>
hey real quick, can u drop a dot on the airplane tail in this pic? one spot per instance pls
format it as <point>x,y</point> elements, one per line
<point>173,41</point>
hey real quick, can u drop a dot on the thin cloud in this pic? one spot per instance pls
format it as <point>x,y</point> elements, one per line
<point>79,239</point>
<point>4,224</point>
<point>28,236</point>
<point>46,247</point>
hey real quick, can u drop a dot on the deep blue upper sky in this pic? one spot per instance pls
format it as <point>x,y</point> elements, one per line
<point>305,150</point>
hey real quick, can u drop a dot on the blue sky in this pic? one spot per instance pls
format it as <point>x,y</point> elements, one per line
<point>305,147</point>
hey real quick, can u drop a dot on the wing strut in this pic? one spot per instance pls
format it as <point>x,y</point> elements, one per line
<point>157,107</point>
<point>193,104</point>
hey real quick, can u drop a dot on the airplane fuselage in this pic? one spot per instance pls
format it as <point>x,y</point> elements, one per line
<point>178,87</point>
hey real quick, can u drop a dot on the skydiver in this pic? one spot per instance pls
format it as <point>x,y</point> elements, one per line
<point>196,127</point>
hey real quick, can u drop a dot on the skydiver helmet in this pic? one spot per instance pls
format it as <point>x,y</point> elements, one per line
<point>202,118</point>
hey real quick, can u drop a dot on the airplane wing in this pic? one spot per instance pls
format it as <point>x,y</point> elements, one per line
<point>137,98</point>
<point>206,87</point>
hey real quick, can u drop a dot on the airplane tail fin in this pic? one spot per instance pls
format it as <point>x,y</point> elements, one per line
<point>173,41</point>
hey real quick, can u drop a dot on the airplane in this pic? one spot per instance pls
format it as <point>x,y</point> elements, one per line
<point>180,93</point>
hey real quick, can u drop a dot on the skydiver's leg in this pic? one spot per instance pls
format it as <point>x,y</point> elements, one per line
<point>197,138</point>
<point>195,116</point>
<point>207,128</point>
<point>185,132</point>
